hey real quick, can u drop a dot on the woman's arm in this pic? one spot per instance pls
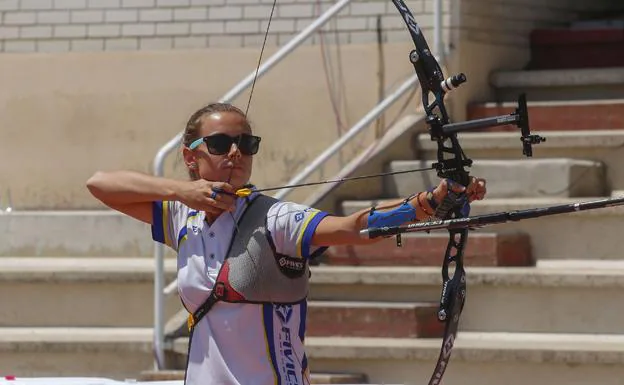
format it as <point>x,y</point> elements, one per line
<point>336,230</point>
<point>132,193</point>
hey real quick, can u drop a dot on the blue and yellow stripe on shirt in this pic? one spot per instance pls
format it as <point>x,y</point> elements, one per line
<point>307,232</point>
<point>162,227</point>
<point>183,235</point>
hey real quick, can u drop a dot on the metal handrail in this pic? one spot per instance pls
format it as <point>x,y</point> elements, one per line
<point>165,150</point>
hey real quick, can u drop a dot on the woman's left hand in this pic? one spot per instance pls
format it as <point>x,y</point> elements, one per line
<point>475,190</point>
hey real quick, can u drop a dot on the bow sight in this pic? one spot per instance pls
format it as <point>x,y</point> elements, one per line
<point>441,132</point>
<point>520,118</point>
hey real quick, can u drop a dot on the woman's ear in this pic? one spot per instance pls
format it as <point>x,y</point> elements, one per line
<point>189,158</point>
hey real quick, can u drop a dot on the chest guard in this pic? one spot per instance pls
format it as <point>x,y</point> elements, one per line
<point>253,271</point>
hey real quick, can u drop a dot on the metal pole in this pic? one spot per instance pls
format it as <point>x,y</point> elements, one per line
<point>437,31</point>
<point>159,311</point>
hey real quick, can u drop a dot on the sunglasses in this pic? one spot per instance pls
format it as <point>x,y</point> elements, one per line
<point>220,144</point>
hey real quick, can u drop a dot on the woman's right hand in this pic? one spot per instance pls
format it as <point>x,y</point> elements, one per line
<point>208,196</point>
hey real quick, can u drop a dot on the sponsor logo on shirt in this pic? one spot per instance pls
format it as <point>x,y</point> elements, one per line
<point>284,312</point>
<point>291,267</point>
<point>291,263</point>
<point>287,363</point>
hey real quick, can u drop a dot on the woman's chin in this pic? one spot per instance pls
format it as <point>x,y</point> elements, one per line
<point>238,179</point>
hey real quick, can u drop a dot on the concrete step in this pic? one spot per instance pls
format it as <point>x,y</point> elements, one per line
<point>104,233</point>
<point>592,234</point>
<point>559,84</point>
<point>373,319</point>
<point>115,353</point>
<point>361,318</point>
<point>558,297</point>
<point>420,249</point>
<point>507,178</point>
<point>477,358</point>
<point>125,353</point>
<point>558,115</point>
<point>604,146</point>
<point>86,292</point>
<point>315,378</point>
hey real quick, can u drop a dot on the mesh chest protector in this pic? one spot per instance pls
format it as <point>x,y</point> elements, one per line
<point>253,271</point>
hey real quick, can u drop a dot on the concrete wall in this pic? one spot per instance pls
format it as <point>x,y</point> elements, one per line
<point>64,116</point>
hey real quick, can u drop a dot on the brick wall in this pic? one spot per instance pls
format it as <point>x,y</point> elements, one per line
<point>95,25</point>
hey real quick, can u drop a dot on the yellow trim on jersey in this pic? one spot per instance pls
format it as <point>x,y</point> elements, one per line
<point>303,229</point>
<point>190,322</point>
<point>184,238</point>
<point>189,221</point>
<point>165,223</point>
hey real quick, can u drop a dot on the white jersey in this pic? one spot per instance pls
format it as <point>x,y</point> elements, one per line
<point>249,344</point>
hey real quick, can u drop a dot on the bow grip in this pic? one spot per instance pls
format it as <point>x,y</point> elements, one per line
<point>451,201</point>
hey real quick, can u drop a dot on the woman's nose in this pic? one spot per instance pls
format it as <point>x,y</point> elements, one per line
<point>234,151</point>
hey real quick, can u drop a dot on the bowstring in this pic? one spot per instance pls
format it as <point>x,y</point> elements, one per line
<point>266,35</point>
<point>346,179</point>
<point>253,84</point>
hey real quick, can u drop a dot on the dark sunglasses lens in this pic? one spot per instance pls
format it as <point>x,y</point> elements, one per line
<point>249,144</point>
<point>218,144</point>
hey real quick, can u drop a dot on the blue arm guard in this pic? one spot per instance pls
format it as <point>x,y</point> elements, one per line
<point>404,213</point>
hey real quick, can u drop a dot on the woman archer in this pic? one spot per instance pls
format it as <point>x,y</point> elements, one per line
<point>247,315</point>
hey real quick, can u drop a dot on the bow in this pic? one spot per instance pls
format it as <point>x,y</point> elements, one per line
<point>451,165</point>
